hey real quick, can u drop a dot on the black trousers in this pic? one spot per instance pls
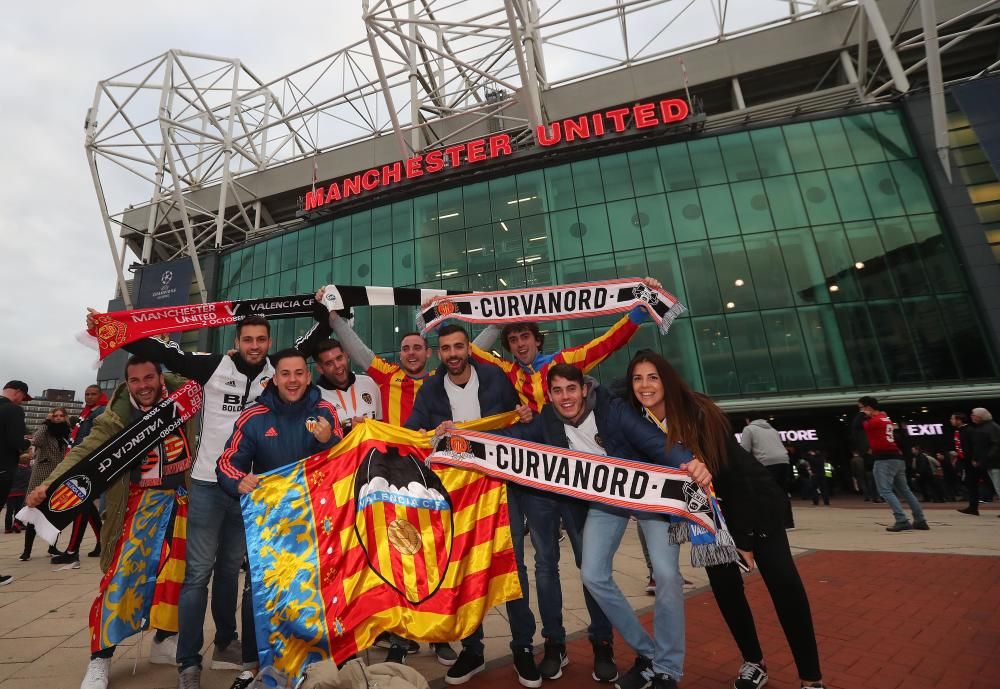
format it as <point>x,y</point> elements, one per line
<point>973,475</point>
<point>781,473</point>
<point>777,568</point>
<point>88,515</point>
<point>14,505</point>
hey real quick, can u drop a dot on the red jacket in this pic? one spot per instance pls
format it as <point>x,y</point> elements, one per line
<point>879,431</point>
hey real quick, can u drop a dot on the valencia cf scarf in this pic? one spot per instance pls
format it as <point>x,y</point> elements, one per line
<point>69,493</point>
<point>116,329</point>
<point>621,483</point>
<point>582,300</point>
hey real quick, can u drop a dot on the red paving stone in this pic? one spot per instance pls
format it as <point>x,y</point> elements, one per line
<point>883,621</point>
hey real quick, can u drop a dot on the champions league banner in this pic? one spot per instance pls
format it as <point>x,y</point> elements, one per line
<point>114,330</point>
<point>611,481</point>
<point>90,477</point>
<point>582,300</point>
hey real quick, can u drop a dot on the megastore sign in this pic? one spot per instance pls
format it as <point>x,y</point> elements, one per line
<point>581,128</point>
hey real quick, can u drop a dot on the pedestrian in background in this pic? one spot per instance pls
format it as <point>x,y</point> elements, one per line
<point>819,483</point>
<point>50,442</point>
<point>761,440</point>
<point>986,445</point>
<point>928,474</point>
<point>857,463</point>
<point>890,469</point>
<point>973,470</point>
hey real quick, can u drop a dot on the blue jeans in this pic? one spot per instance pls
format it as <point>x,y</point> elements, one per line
<point>602,535</point>
<point>890,478</point>
<point>519,615</point>
<point>216,542</point>
<point>544,512</point>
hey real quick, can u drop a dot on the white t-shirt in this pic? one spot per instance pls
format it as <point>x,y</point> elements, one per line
<point>583,438</point>
<point>361,399</point>
<point>464,400</point>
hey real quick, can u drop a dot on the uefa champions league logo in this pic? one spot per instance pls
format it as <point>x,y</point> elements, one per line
<point>166,278</point>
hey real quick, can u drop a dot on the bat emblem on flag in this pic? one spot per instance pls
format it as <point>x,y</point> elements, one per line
<point>403,522</point>
<point>696,499</point>
<point>70,493</point>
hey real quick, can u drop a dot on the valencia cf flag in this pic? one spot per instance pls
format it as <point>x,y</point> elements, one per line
<point>367,538</point>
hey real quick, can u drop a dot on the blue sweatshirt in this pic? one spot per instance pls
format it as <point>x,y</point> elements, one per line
<point>271,433</point>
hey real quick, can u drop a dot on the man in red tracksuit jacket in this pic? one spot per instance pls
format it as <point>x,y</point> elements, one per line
<point>890,469</point>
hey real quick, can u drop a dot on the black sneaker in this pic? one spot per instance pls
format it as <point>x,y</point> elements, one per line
<point>663,681</point>
<point>65,559</point>
<point>5,579</point>
<point>605,669</point>
<point>899,526</point>
<point>25,557</point>
<point>243,680</point>
<point>751,676</point>
<point>921,525</point>
<point>554,660</point>
<point>386,640</point>
<point>54,551</point>
<point>467,665</point>
<point>96,552</point>
<point>639,676</point>
<point>396,654</point>
<point>445,654</point>
<point>525,668</point>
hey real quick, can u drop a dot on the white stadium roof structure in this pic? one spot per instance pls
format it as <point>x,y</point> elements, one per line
<point>193,153</point>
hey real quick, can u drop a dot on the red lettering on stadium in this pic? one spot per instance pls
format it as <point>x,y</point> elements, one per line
<point>582,128</point>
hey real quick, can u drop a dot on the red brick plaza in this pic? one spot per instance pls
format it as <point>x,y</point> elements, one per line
<point>883,620</point>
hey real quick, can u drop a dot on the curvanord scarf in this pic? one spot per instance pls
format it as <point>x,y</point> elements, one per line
<point>581,300</point>
<point>116,329</point>
<point>621,483</point>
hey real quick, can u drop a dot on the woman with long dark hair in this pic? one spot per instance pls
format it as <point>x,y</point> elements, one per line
<point>752,505</point>
<point>50,442</point>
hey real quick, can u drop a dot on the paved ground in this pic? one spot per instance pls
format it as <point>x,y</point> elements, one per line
<point>913,610</point>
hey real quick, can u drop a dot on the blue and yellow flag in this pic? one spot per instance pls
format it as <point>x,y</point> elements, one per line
<point>366,538</point>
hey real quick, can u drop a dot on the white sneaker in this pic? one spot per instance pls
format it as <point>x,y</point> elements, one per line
<point>97,674</point>
<point>164,652</point>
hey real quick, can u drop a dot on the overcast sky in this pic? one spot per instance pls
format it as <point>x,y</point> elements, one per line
<point>56,259</point>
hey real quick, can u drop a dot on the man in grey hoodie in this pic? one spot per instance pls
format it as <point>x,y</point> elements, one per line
<point>761,440</point>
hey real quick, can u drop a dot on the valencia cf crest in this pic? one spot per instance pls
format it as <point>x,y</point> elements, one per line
<point>70,493</point>
<point>404,522</point>
<point>110,331</point>
<point>366,397</point>
<point>445,308</point>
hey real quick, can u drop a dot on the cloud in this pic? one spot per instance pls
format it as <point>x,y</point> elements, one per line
<point>55,249</point>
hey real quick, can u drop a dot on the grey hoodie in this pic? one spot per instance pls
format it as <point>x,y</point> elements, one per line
<point>760,439</point>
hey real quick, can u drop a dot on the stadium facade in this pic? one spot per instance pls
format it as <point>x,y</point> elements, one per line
<point>820,191</point>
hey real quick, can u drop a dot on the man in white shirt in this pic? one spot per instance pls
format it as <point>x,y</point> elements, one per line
<point>355,397</point>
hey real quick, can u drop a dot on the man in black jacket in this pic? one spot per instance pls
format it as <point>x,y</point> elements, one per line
<point>985,439</point>
<point>13,439</point>
<point>465,390</point>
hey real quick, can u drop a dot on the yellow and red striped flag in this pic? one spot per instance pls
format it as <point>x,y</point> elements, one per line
<point>366,538</point>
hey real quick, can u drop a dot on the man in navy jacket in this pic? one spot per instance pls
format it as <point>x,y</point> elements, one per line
<point>464,390</point>
<point>289,421</point>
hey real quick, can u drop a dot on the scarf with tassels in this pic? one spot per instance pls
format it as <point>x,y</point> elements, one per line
<point>708,548</point>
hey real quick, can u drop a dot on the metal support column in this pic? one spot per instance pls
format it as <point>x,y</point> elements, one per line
<point>885,45</point>
<point>939,116</point>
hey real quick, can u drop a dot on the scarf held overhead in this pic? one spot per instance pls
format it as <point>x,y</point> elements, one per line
<point>119,328</point>
<point>69,493</point>
<point>581,300</point>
